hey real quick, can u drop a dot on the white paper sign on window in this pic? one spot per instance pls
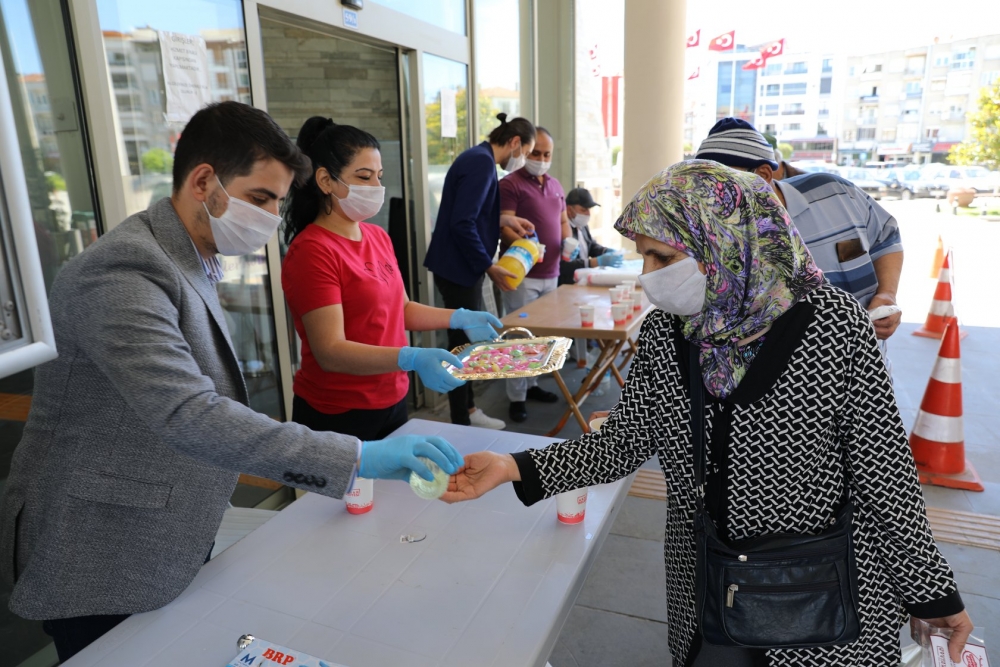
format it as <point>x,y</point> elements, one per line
<point>449,114</point>
<point>185,74</point>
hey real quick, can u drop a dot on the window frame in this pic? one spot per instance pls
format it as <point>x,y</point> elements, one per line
<point>30,300</point>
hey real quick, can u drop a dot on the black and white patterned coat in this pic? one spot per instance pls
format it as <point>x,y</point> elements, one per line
<point>816,395</point>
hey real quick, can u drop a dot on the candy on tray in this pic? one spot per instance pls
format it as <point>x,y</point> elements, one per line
<point>510,358</point>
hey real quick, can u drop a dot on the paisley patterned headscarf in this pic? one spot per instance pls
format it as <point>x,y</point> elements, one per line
<point>757,264</point>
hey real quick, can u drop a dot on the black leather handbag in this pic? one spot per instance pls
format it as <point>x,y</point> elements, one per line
<point>773,591</point>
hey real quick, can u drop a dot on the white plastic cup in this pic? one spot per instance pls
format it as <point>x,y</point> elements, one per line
<point>568,246</point>
<point>630,284</point>
<point>626,291</point>
<point>596,424</point>
<point>571,507</point>
<point>619,313</point>
<point>616,295</point>
<point>636,303</point>
<point>361,498</point>
<point>587,315</point>
<point>628,308</point>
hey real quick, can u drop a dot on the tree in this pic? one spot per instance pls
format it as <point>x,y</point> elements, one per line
<point>157,161</point>
<point>445,150</point>
<point>982,145</point>
<point>786,150</point>
<point>54,181</point>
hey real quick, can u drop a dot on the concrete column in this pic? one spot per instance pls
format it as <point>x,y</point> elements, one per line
<point>554,89</point>
<point>655,40</point>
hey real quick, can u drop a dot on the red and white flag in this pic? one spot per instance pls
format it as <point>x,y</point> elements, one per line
<point>756,63</point>
<point>773,49</point>
<point>695,39</point>
<point>724,42</point>
<point>695,74</point>
<point>610,106</point>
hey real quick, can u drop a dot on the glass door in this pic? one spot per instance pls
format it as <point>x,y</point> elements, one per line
<point>352,82</point>
<point>37,54</point>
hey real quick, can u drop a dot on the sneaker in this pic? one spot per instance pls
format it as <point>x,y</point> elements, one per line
<point>482,420</point>
<point>518,412</point>
<point>542,396</point>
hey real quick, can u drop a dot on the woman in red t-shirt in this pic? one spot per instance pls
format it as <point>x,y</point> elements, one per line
<point>346,295</point>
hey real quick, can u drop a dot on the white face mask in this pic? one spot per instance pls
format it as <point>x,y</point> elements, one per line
<point>362,201</point>
<point>678,289</point>
<point>580,221</point>
<point>243,228</point>
<point>537,167</point>
<point>515,163</point>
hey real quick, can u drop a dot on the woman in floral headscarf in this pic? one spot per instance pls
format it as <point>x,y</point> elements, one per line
<point>796,387</point>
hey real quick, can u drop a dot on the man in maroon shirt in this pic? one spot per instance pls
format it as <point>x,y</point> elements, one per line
<point>531,193</point>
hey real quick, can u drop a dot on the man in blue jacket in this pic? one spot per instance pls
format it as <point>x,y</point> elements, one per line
<point>466,234</point>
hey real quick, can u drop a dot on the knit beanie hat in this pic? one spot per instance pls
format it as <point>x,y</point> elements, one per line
<point>736,143</point>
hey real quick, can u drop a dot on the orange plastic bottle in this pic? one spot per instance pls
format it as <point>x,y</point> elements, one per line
<point>519,258</point>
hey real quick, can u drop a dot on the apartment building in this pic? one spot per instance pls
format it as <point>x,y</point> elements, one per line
<point>911,105</point>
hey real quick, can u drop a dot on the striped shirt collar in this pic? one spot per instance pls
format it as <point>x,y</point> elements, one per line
<point>212,266</point>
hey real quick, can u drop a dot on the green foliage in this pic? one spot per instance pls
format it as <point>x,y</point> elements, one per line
<point>157,161</point>
<point>445,150</point>
<point>786,150</point>
<point>982,145</point>
<point>54,182</point>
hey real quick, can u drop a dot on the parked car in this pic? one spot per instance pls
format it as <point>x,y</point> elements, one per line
<point>980,179</point>
<point>864,179</point>
<point>905,184</point>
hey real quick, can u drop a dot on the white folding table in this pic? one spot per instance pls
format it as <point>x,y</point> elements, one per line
<point>492,583</point>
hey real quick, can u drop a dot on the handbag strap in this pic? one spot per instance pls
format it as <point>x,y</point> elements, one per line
<point>697,395</point>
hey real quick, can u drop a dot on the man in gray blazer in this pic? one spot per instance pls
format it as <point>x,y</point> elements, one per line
<point>139,428</point>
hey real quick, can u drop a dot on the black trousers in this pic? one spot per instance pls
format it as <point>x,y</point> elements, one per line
<point>457,296</point>
<point>72,635</point>
<point>362,424</point>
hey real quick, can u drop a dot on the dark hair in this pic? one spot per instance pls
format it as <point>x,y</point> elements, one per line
<point>330,146</point>
<point>232,136</point>
<point>541,130</point>
<point>508,129</point>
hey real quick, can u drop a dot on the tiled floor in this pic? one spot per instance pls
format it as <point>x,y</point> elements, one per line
<point>619,617</point>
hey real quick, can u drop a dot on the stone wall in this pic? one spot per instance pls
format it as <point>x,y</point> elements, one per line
<point>311,74</point>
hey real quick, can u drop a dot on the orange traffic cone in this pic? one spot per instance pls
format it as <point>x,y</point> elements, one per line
<point>942,312</point>
<point>938,437</point>
<point>938,259</point>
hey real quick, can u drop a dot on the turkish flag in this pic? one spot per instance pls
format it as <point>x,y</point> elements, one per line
<point>773,49</point>
<point>724,42</point>
<point>695,74</point>
<point>756,63</point>
<point>695,39</point>
<point>610,104</point>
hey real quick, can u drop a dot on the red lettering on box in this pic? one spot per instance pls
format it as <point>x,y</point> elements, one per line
<point>269,654</point>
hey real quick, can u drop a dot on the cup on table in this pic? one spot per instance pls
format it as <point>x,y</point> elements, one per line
<point>569,245</point>
<point>620,313</point>
<point>361,498</point>
<point>616,295</point>
<point>626,291</point>
<point>628,308</point>
<point>630,284</point>
<point>586,315</point>
<point>636,303</point>
<point>571,507</point>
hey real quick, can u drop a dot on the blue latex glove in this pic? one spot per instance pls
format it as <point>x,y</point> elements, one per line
<point>612,259</point>
<point>476,324</point>
<point>427,363</point>
<point>576,254</point>
<point>394,458</point>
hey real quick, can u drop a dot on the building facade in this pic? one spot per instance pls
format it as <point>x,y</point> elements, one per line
<point>910,106</point>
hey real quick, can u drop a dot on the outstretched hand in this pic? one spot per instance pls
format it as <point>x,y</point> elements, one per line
<point>482,472</point>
